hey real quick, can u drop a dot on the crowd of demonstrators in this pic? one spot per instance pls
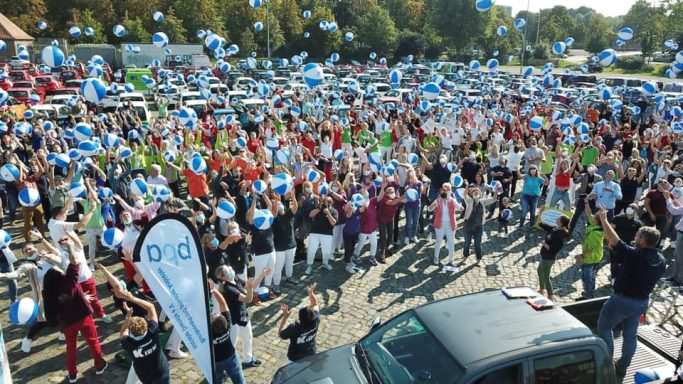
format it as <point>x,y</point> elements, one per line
<point>388,174</point>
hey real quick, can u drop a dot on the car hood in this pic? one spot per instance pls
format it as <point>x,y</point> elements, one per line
<point>334,366</point>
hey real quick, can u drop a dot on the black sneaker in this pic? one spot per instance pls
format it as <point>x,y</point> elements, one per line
<point>252,364</point>
<point>290,280</point>
<point>373,261</point>
<point>73,378</point>
<point>99,371</point>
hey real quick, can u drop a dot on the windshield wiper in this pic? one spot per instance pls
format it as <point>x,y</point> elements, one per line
<point>365,363</point>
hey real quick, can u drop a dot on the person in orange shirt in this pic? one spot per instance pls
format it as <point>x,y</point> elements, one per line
<point>592,114</point>
<point>197,186</point>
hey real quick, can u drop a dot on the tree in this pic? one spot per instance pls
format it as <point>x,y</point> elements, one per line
<point>172,26</point>
<point>648,25</point>
<point>600,35</point>
<point>25,13</point>
<point>458,21</point>
<point>409,43</point>
<point>247,44</point>
<point>200,15</point>
<point>320,44</point>
<point>135,31</point>
<point>377,31</point>
<point>290,19</point>
<point>407,14</point>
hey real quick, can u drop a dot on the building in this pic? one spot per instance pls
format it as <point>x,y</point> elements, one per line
<point>13,36</point>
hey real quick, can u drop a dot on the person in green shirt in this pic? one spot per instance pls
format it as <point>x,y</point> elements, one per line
<point>95,227</point>
<point>589,154</point>
<point>346,140</point>
<point>162,107</point>
<point>591,254</point>
<point>386,141</point>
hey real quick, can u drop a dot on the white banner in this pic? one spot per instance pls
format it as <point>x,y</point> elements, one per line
<point>169,255</point>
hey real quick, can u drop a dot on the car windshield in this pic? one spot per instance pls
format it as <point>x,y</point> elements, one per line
<point>404,351</point>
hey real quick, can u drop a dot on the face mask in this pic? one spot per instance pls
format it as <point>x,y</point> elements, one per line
<point>280,207</point>
<point>128,221</point>
<point>234,232</point>
<point>214,243</point>
<point>335,189</point>
<point>32,256</point>
<point>366,173</point>
<point>308,190</point>
<point>139,204</point>
<point>200,218</point>
<point>678,183</point>
<point>476,196</point>
<point>230,274</point>
<point>442,161</point>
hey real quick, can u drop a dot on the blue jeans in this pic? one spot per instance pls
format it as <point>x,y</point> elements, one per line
<point>529,203</point>
<point>163,379</point>
<point>412,219</point>
<point>475,233</point>
<point>625,310</point>
<point>11,283</point>
<point>588,273</point>
<point>230,367</point>
<point>562,196</point>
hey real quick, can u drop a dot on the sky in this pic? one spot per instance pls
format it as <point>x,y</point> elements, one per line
<point>606,7</point>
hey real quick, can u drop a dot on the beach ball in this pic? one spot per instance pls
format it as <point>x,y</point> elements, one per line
<point>259,187</point>
<point>474,65</point>
<point>77,190</point>
<point>483,5</point>
<point>412,195</point>
<point>502,31</point>
<point>536,123</point>
<point>225,210</point>
<point>456,180</point>
<point>255,3</point>
<point>258,26</point>
<point>75,32</point>
<point>348,36</point>
<point>625,34</point>
<point>53,57</point>
<point>9,173</point>
<point>110,140</point>
<point>569,42</point>
<point>82,131</point>
<point>23,312</point>
<point>41,25</point>
<point>112,238</point>
<point>93,90</point>
<point>431,91</point>
<point>198,165</point>
<point>263,219</point>
<point>281,183</point>
<point>338,154</point>
<point>187,116</point>
<point>29,197</point>
<point>160,40</point>
<point>332,27</point>
<point>61,160</point>
<point>313,176</point>
<point>282,156</point>
<point>119,30</point>
<point>312,74</point>
<point>139,187</point>
<point>307,14</point>
<point>559,47</point>
<point>241,142</point>
<point>395,77</point>
<point>323,188</point>
<point>607,57</point>
<point>88,148</point>
<point>650,88</point>
<point>492,64</point>
<point>520,23</point>
<point>158,17</point>
<point>645,375</point>
<point>451,167</point>
<point>506,215</point>
<point>413,158</point>
<point>5,239</point>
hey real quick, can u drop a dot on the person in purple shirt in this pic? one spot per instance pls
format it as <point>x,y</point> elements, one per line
<point>351,233</point>
<point>339,197</point>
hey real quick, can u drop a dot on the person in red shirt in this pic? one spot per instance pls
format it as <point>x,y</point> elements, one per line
<point>387,204</point>
<point>562,182</point>
<point>309,143</point>
<point>253,143</point>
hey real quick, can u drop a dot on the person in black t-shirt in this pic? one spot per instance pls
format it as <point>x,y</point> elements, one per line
<point>238,294</point>
<point>551,247</point>
<point>285,244</point>
<point>226,361</point>
<point>140,337</point>
<point>301,334</point>
<point>626,225</point>
<point>235,246</point>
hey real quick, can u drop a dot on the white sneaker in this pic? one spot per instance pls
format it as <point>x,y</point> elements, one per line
<point>327,266</point>
<point>61,336</point>
<point>92,267</point>
<point>350,268</point>
<point>429,237</point>
<point>26,345</point>
<point>415,239</point>
<point>308,270</point>
<point>406,241</point>
<point>177,354</point>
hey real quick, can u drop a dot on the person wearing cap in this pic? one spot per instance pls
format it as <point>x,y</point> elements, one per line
<point>626,225</point>
<point>606,193</point>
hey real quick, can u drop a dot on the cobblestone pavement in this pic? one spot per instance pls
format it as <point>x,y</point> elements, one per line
<point>348,304</point>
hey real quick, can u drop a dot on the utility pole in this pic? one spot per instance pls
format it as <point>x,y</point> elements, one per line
<point>268,26</point>
<point>521,61</point>
<point>538,29</point>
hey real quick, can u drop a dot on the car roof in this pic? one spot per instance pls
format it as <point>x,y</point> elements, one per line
<point>482,325</point>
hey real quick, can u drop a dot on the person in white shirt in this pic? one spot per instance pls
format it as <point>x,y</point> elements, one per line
<point>155,177</point>
<point>58,226</point>
<point>514,159</point>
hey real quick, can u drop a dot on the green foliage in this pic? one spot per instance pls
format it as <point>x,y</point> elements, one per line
<point>173,27</point>
<point>136,31</point>
<point>377,31</point>
<point>25,13</point>
<point>541,51</point>
<point>633,64</point>
<point>409,43</point>
<point>86,18</point>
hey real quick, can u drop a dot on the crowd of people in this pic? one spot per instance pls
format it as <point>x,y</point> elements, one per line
<point>384,174</point>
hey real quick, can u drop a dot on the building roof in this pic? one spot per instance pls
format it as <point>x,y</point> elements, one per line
<point>482,325</point>
<point>10,31</point>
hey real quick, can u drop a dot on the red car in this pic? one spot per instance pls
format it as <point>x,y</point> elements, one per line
<point>70,74</point>
<point>18,75</point>
<point>6,83</point>
<point>23,95</point>
<point>47,83</point>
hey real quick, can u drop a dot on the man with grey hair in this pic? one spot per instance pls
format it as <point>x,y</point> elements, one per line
<point>155,177</point>
<point>642,268</point>
<point>606,193</point>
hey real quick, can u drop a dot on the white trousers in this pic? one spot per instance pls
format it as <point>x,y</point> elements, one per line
<point>132,376</point>
<point>385,153</point>
<point>174,341</point>
<point>91,236</point>
<point>283,259</point>
<point>338,236</point>
<point>316,240</point>
<point>450,242</point>
<point>362,238</point>
<point>247,338</point>
<point>262,262</point>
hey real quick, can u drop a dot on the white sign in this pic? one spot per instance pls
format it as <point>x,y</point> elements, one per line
<point>169,256</point>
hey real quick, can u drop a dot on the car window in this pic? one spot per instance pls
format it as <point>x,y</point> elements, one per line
<point>573,367</point>
<point>507,375</point>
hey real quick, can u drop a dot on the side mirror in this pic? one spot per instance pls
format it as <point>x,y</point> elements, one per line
<point>376,322</point>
